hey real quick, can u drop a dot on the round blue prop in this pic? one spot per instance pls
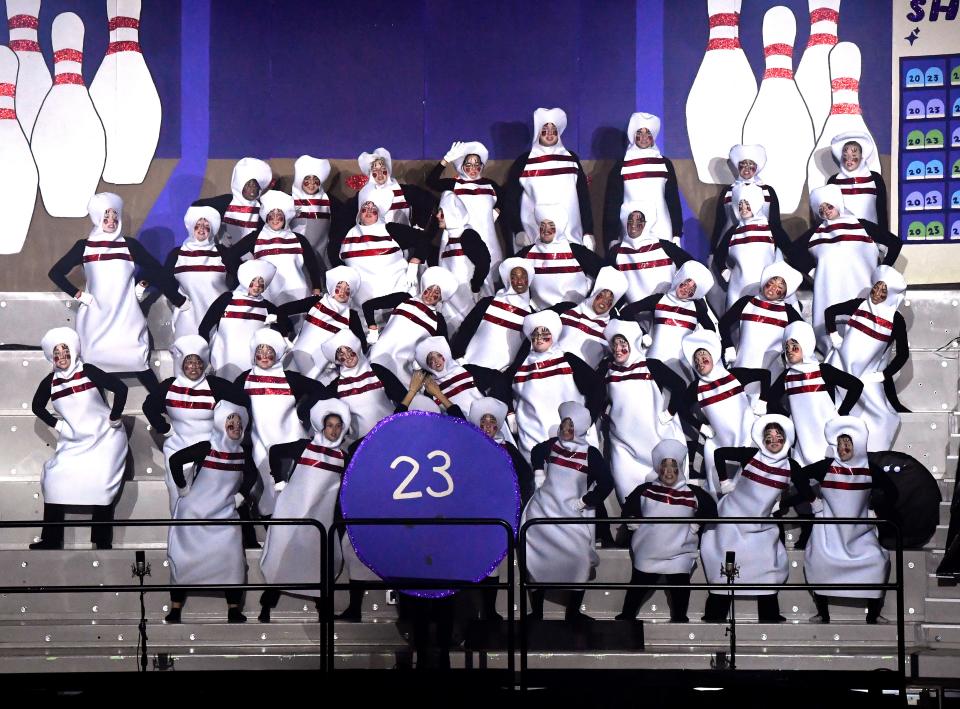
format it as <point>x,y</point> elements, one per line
<point>419,464</point>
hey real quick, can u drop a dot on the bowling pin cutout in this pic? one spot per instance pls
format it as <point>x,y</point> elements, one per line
<point>18,173</point>
<point>68,140</point>
<point>813,71</point>
<point>33,79</point>
<point>721,95</point>
<point>845,115</point>
<point>779,119</point>
<point>126,98</point>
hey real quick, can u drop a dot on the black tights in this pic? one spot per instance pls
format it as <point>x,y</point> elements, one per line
<point>874,606</point>
<point>718,607</point>
<point>234,597</point>
<point>678,599</point>
<point>102,537</point>
<point>270,598</point>
<point>574,600</point>
<point>423,612</point>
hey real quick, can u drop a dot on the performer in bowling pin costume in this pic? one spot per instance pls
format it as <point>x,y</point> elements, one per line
<point>664,550</point>
<point>275,396</point>
<point>198,268</point>
<point>464,254</point>
<point>212,554</point>
<point>846,553</point>
<point>406,204</point>
<point>326,316</point>
<point>648,262</point>
<point>575,481</point>
<point>864,191</point>
<point>761,319</point>
<point>91,454</point>
<point>548,174</point>
<point>240,210</point>
<point>292,554</point>
<point>315,208</point>
<point>716,399</point>
<point>874,326</point>
<point>676,313</point>
<point>746,249</point>
<point>844,250</point>
<point>298,268</point>
<point>583,334</point>
<point>454,381</point>
<point>490,336</point>
<point>187,399</point>
<point>643,175</point>
<point>565,269</point>
<point>480,195</point>
<point>110,323</point>
<point>766,471</point>
<point>807,391</point>
<point>637,418</point>
<point>237,316</point>
<point>748,162</point>
<point>544,377</point>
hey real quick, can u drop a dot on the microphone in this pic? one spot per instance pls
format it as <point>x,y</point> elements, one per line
<point>729,568</point>
<point>141,562</point>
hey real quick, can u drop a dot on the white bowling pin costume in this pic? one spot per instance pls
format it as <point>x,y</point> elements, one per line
<point>242,216</point>
<point>637,402</point>
<point>550,177</point>
<point>721,95</point>
<point>560,276</point>
<point>647,176</point>
<point>764,477</point>
<point>846,553</point>
<point>313,209</point>
<point>33,79</point>
<point>126,98</point>
<point>644,259</point>
<point>864,192</point>
<point>91,454</point>
<point>454,258</point>
<point>727,213</point>
<point>212,554</point>
<point>499,335</point>
<point>199,271</point>
<point>813,70</point>
<point>326,318</point>
<point>18,172</point>
<point>68,141</point>
<point>455,382</point>
<point>284,249</point>
<point>292,554</point>
<point>779,119</point>
<point>583,324</point>
<point>398,209</point>
<point>373,252</point>
<point>413,320</point>
<point>846,115</point>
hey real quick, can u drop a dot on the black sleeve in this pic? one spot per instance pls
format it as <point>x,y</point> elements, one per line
<point>232,280</point>
<point>687,406</point>
<point>583,197</point>
<point>703,314</point>
<point>384,302</point>
<point>740,456</point>
<point>729,321</point>
<point>884,238</point>
<point>214,313</point>
<point>250,475</point>
<point>283,324</point>
<point>589,261</point>
<point>883,221</point>
<point>597,472</point>
<point>676,254</point>
<point>295,307</point>
<point>538,456</point>
<point>802,259</point>
<point>476,250</point>
<point>41,398</point>
<point>644,305</point>
<point>801,481</point>
<point>792,314</point>
<point>706,505</point>
<point>468,328</point>
<point>896,364</point>
<point>311,262</point>
<point>847,307</point>
<point>153,273</point>
<point>185,456</point>
<point>421,204</point>
<point>61,269</point>
<point>773,208</point>
<point>442,330</point>
<point>720,217</point>
<point>436,182</point>
<point>816,471</point>
<point>666,379</point>
<point>513,193</point>
<point>408,238</point>
<point>632,506</point>
<point>588,383</point>
<point>233,255</point>
<point>102,380</point>
<point>283,452</point>
<point>306,391</point>
<point>357,328</point>
<point>239,387</point>
<point>154,406</point>
<point>778,403</point>
<point>782,241</point>
<point>612,201</point>
<point>394,389</point>
<point>170,263</point>
<point>671,194</point>
<point>224,390</point>
<point>833,378</point>
<point>523,471</point>
<point>335,243</point>
<point>219,202</point>
<point>747,375</point>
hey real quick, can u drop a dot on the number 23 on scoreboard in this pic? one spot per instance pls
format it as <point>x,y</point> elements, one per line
<point>401,492</point>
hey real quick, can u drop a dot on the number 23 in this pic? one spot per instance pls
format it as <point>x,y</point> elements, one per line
<point>400,493</point>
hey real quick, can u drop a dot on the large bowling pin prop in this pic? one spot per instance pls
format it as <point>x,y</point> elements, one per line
<point>68,140</point>
<point>813,71</point>
<point>18,173</point>
<point>779,119</point>
<point>126,98</point>
<point>721,95</point>
<point>33,79</point>
<point>845,115</point>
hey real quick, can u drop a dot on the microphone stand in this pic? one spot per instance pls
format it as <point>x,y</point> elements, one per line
<point>731,570</point>
<point>140,568</point>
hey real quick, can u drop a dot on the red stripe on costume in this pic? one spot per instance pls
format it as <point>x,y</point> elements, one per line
<point>764,481</point>
<point>72,390</point>
<point>764,320</point>
<point>867,331</point>
<point>639,266</point>
<point>549,171</point>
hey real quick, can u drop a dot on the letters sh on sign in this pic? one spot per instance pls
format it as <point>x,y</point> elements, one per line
<point>419,464</point>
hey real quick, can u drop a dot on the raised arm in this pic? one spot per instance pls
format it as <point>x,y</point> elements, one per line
<point>112,384</point>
